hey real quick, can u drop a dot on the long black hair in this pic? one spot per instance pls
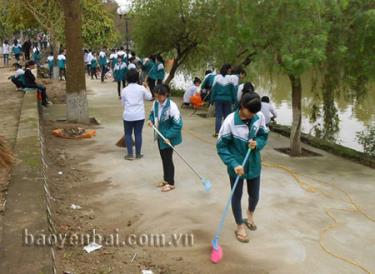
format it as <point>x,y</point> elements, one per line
<point>248,88</point>
<point>160,59</point>
<point>225,69</point>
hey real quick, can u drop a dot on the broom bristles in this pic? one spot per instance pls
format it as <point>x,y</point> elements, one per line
<point>6,156</point>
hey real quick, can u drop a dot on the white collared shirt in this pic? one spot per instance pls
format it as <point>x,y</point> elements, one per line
<point>161,107</point>
<point>267,110</point>
<point>131,66</point>
<point>6,48</point>
<point>132,98</point>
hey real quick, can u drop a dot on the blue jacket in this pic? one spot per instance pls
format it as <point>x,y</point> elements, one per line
<point>232,144</point>
<point>170,123</point>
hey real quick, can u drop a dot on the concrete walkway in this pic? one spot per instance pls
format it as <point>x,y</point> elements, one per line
<point>306,221</point>
<point>26,209</point>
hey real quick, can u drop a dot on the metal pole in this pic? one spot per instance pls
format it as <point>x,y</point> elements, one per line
<point>127,39</point>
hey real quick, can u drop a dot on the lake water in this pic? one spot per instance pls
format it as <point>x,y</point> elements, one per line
<point>354,116</point>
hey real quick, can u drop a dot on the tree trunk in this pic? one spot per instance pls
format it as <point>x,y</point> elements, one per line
<point>76,99</point>
<point>295,134</point>
<point>172,72</point>
<point>55,48</point>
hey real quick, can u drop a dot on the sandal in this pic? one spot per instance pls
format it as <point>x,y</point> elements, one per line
<point>241,238</point>
<point>167,188</point>
<point>252,226</point>
<point>161,184</point>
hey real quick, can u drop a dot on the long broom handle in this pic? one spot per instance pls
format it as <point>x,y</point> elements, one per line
<point>221,224</point>
<point>174,149</point>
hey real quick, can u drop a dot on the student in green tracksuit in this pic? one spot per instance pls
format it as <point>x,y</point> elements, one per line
<point>152,74</point>
<point>241,130</point>
<point>223,95</point>
<point>160,71</point>
<point>119,74</point>
<point>207,85</point>
<point>61,61</point>
<point>103,63</point>
<point>166,116</point>
<point>51,62</point>
<point>36,56</point>
<point>94,66</point>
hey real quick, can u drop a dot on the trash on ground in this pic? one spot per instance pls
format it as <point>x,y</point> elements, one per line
<point>73,206</point>
<point>92,247</point>
<point>74,133</point>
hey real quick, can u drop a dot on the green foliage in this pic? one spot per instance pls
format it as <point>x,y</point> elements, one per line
<point>97,25</point>
<point>367,139</point>
<point>360,60</point>
<point>5,28</point>
<point>177,28</point>
<point>295,33</point>
<point>17,18</point>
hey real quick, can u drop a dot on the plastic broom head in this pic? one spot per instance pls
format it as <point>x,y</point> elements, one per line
<point>206,184</point>
<point>216,251</point>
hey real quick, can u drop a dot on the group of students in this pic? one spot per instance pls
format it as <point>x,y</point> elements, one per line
<point>24,78</point>
<point>17,50</point>
<point>150,69</point>
<point>244,128</point>
<point>224,91</point>
<point>120,62</point>
<point>61,64</point>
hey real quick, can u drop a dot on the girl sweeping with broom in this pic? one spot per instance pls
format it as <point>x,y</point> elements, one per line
<point>242,130</point>
<point>166,117</point>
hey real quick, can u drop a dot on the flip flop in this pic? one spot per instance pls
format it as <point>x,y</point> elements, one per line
<point>241,238</point>
<point>167,188</point>
<point>252,227</point>
<point>161,184</point>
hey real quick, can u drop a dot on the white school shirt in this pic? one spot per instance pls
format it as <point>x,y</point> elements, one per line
<point>19,72</point>
<point>89,57</point>
<point>190,91</point>
<point>121,53</point>
<point>160,110</point>
<point>132,98</point>
<point>102,54</point>
<point>267,110</point>
<point>113,56</point>
<point>36,48</point>
<point>6,48</point>
<point>239,92</point>
<point>131,66</point>
<point>235,79</point>
<point>50,58</point>
<point>61,57</point>
<point>85,58</point>
<point>160,66</point>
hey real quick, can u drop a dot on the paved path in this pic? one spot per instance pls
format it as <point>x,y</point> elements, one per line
<point>301,199</point>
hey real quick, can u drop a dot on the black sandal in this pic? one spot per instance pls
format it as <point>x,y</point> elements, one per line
<point>241,238</point>
<point>252,227</point>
